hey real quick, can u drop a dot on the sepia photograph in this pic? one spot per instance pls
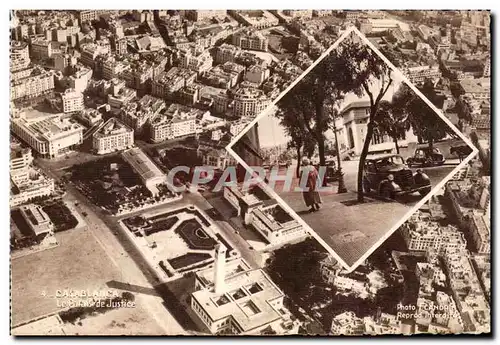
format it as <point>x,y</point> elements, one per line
<point>351,148</point>
<point>218,172</point>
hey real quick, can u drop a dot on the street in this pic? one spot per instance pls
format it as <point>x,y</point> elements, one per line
<point>121,253</point>
<point>350,228</point>
<point>125,256</point>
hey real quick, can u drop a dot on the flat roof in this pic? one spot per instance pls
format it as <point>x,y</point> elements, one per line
<point>141,164</point>
<point>252,308</point>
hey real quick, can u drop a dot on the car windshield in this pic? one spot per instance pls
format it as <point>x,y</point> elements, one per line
<point>390,161</point>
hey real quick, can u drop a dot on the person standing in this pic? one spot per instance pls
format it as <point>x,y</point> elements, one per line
<point>311,195</point>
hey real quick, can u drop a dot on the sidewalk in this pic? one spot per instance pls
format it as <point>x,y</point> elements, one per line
<point>348,227</point>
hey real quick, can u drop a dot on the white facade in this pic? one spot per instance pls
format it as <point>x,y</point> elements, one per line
<point>51,137</point>
<point>112,136</point>
<point>72,101</point>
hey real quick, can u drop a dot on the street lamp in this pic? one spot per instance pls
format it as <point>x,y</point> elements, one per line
<point>341,188</point>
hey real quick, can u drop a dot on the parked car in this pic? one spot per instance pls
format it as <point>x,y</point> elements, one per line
<point>426,157</point>
<point>389,176</point>
<point>332,172</point>
<point>461,151</point>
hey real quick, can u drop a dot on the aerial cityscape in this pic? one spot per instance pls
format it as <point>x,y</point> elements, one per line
<point>106,105</point>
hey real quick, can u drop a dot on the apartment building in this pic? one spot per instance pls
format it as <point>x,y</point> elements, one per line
<point>72,101</point>
<point>112,136</point>
<point>50,136</point>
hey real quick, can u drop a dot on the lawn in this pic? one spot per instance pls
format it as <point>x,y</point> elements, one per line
<point>61,216</point>
<point>78,263</point>
<point>192,232</point>
<point>161,225</point>
<point>109,182</point>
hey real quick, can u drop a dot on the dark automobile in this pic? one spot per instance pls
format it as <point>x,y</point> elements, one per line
<point>424,156</point>
<point>389,176</point>
<point>331,173</point>
<point>461,151</point>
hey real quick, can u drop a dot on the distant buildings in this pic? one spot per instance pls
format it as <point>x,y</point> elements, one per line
<point>169,82</point>
<point>250,39</point>
<point>176,121</point>
<point>256,18</point>
<point>37,220</point>
<point>72,101</point>
<point>35,84</point>
<point>148,172</point>
<point>26,182</point>
<point>197,62</point>
<point>421,234</point>
<point>50,136</point>
<point>201,15</point>
<point>418,74</point>
<point>112,136</point>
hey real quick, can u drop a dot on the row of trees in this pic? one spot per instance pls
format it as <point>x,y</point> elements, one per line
<point>309,109</point>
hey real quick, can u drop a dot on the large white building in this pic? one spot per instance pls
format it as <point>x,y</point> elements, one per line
<point>201,15</point>
<point>262,212</point>
<point>50,136</point>
<point>37,220</point>
<point>112,136</point>
<point>421,235</point>
<point>148,172</point>
<point>37,83</point>
<point>197,62</point>
<point>72,101</point>
<point>20,161</point>
<point>250,39</point>
<point>231,298</point>
<point>244,102</point>
<point>26,182</point>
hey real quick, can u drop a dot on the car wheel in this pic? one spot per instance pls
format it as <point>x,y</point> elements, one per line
<point>425,191</point>
<point>366,186</point>
<point>386,192</point>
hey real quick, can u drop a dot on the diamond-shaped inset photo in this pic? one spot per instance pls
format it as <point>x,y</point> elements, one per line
<point>353,148</point>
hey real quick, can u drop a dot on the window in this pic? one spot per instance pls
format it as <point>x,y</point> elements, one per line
<point>222,300</point>
<point>250,308</point>
<point>238,294</point>
<point>254,288</point>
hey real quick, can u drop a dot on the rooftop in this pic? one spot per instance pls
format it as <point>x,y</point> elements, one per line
<point>112,127</point>
<point>48,128</point>
<point>247,299</point>
<point>141,164</point>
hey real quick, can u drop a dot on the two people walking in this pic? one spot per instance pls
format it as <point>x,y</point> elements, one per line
<point>311,195</point>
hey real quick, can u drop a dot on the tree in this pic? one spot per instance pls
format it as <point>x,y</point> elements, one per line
<point>300,140</point>
<point>426,124</point>
<point>304,103</point>
<point>358,68</point>
<point>393,121</point>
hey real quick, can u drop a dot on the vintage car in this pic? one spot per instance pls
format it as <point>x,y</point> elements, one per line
<point>332,173</point>
<point>426,157</point>
<point>389,176</point>
<point>461,151</point>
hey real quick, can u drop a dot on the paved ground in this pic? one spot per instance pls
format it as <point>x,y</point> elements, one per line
<point>36,277</point>
<point>349,228</point>
<point>122,254</point>
<point>136,273</point>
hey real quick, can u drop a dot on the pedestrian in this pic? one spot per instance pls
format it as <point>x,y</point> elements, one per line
<point>311,196</point>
